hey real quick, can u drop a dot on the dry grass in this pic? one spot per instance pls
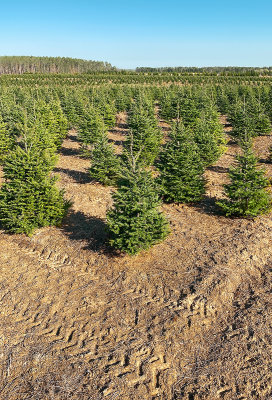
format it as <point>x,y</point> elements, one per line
<point>189,319</point>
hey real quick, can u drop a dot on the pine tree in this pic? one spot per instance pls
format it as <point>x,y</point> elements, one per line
<point>134,222</point>
<point>246,193</point>
<point>29,198</point>
<point>105,166</point>
<point>181,168</point>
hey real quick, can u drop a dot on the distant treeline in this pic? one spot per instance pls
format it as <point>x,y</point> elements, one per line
<point>25,64</point>
<point>249,71</point>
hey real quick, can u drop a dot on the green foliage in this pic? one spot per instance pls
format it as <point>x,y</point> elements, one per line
<point>246,193</point>
<point>181,168</point>
<point>134,222</point>
<point>144,137</point>
<point>6,141</point>
<point>23,64</point>
<point>29,198</point>
<point>209,136</point>
<point>91,128</point>
<point>53,120</point>
<point>248,118</point>
<point>263,124</point>
<point>105,166</point>
<point>108,112</point>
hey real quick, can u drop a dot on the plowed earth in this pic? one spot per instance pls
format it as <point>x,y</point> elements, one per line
<point>189,319</point>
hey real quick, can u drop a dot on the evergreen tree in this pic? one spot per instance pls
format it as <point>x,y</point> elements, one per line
<point>246,193</point>
<point>144,136</point>
<point>29,198</point>
<point>91,129</point>
<point>7,141</point>
<point>181,169</point>
<point>134,222</point>
<point>105,166</point>
<point>210,140</point>
<point>263,124</point>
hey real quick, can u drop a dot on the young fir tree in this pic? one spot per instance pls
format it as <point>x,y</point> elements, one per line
<point>262,124</point>
<point>105,166</point>
<point>135,222</point>
<point>209,137</point>
<point>144,136</point>
<point>181,169</point>
<point>246,193</point>
<point>29,198</point>
<point>91,129</point>
<point>7,141</point>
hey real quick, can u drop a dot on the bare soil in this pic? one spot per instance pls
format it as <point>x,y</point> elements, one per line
<point>189,319</point>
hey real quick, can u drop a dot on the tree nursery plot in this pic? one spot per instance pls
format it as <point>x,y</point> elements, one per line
<point>135,216</point>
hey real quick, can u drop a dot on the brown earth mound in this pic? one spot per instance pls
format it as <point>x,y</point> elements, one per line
<point>188,319</point>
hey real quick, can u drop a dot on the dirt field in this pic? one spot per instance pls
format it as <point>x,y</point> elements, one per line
<point>189,319</point>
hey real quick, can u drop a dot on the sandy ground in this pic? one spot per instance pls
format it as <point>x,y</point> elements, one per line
<point>188,319</point>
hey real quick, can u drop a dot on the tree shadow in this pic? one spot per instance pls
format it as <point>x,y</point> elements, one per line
<point>78,176</point>
<point>265,161</point>
<point>122,126</point>
<point>73,138</point>
<point>232,142</point>
<point>227,125</point>
<point>80,227</point>
<point>218,169</point>
<point>165,128</point>
<point>66,151</point>
<point>117,132</point>
<point>117,142</point>
<point>208,206</point>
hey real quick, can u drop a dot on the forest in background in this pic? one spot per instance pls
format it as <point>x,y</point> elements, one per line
<point>29,64</point>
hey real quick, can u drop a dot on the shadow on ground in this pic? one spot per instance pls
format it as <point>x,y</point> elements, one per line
<point>78,176</point>
<point>116,142</point>
<point>208,206</point>
<point>65,151</point>
<point>265,161</point>
<point>79,226</point>
<point>218,169</point>
<point>73,138</point>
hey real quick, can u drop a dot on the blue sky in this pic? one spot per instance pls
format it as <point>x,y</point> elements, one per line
<point>140,33</point>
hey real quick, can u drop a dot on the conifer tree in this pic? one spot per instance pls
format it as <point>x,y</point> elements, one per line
<point>7,142</point>
<point>263,124</point>
<point>29,198</point>
<point>105,166</point>
<point>144,136</point>
<point>246,193</point>
<point>135,222</point>
<point>181,168</point>
<point>209,137</point>
<point>91,129</point>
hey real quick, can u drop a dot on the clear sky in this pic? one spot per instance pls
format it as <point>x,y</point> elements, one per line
<point>140,32</point>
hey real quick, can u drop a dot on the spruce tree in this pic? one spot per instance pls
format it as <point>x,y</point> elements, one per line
<point>105,166</point>
<point>181,168</point>
<point>246,193</point>
<point>29,198</point>
<point>135,222</point>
